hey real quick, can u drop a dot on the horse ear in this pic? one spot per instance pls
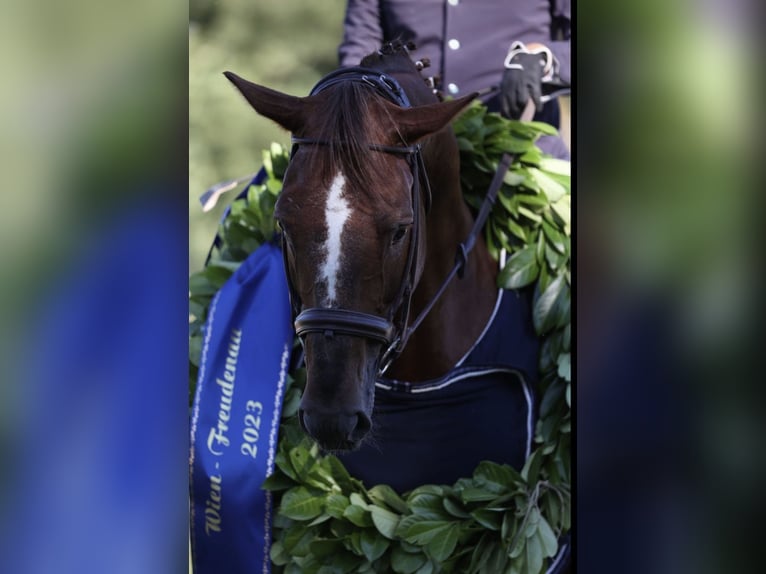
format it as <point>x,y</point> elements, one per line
<point>421,121</point>
<point>290,112</point>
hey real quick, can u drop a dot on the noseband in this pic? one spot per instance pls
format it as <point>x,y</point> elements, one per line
<point>392,332</point>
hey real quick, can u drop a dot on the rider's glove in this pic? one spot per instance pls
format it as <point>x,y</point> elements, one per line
<point>525,70</point>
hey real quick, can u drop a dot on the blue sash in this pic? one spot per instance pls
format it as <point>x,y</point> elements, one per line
<point>235,420</point>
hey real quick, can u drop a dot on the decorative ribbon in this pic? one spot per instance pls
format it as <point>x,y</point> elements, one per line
<point>235,420</point>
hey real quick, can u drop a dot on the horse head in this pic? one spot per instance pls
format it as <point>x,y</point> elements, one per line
<point>352,215</point>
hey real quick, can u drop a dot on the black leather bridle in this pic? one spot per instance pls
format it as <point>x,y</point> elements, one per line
<point>394,331</point>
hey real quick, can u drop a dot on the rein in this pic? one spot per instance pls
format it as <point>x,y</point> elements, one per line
<point>394,335</point>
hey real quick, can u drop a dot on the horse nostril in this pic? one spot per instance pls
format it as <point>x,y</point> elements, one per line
<point>336,431</point>
<point>363,426</point>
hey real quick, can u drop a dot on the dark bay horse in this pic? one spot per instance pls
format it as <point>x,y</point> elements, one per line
<point>371,215</point>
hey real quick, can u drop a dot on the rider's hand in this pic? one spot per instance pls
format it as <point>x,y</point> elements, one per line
<point>525,68</point>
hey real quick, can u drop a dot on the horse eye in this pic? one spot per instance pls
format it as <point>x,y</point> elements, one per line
<point>399,234</point>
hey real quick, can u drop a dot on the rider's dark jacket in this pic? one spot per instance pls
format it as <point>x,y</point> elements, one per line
<point>466,40</point>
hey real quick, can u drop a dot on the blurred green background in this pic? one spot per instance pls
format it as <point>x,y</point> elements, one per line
<point>287,46</point>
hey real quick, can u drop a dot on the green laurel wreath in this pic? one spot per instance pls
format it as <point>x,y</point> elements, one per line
<point>498,520</point>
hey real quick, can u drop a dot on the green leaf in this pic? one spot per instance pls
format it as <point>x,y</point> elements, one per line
<point>566,337</point>
<point>555,165</point>
<point>427,504</point>
<point>533,519</point>
<point>517,547</point>
<point>513,179</point>
<point>353,542</point>
<point>530,215</point>
<point>405,562</point>
<point>342,563</point>
<point>558,240</point>
<point>336,504</point>
<point>534,555</point>
<point>547,538</point>
<point>278,555</point>
<point>356,499</point>
<point>508,527</point>
<point>302,461</point>
<point>195,350</point>
<point>464,144</point>
<point>508,201</point>
<point>552,188</point>
<point>455,508</point>
<point>296,540</point>
<point>357,515</point>
<point>196,309</point>
<point>552,307</point>
<point>277,481</point>
<point>540,247</point>
<point>443,546</point>
<point>498,559</point>
<point>385,521</point>
<point>551,399</point>
<point>199,284</point>
<point>320,519</point>
<point>552,508</point>
<point>563,208</point>
<point>274,186</point>
<point>373,545</point>
<point>541,128</point>
<point>555,259</point>
<point>425,531</point>
<point>404,524</point>
<point>518,231</point>
<point>500,235</point>
<point>291,403</point>
<point>531,469</point>
<point>342,528</point>
<point>564,368</point>
<point>296,568</point>
<point>266,158</point>
<point>489,519</point>
<point>283,463</point>
<point>472,494</point>
<point>336,469</point>
<point>300,504</point>
<point>543,280</point>
<point>550,350</point>
<point>227,265</point>
<point>520,270</point>
<point>533,199</point>
<point>496,478</point>
<point>532,156</point>
<point>384,495</point>
<point>324,548</point>
<point>480,554</point>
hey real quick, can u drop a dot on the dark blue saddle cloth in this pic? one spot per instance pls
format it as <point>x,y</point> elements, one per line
<point>437,431</point>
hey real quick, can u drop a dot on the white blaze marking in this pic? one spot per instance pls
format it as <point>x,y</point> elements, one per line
<point>337,213</point>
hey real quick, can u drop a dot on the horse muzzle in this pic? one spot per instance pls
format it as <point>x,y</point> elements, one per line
<point>337,403</point>
<point>335,431</point>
